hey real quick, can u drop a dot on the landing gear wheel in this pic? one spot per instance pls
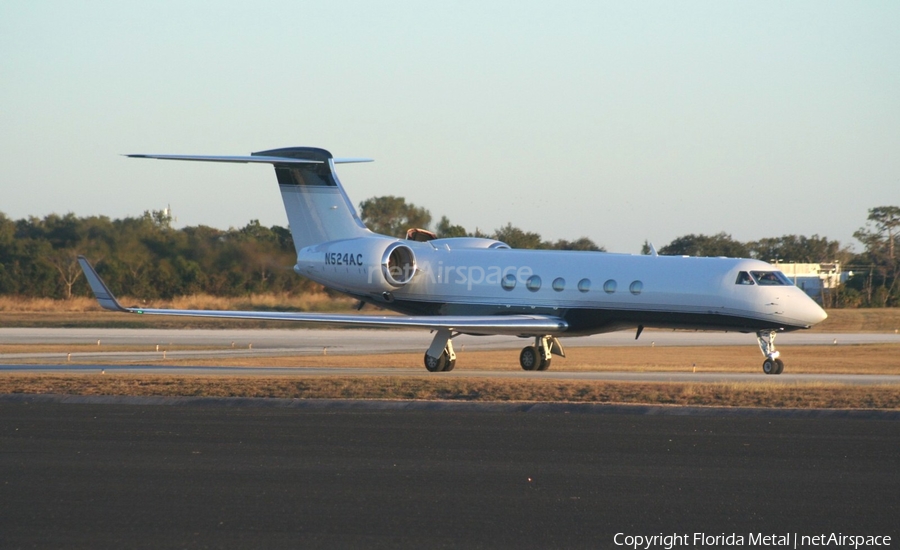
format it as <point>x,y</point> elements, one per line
<point>772,364</point>
<point>442,363</point>
<point>528,359</point>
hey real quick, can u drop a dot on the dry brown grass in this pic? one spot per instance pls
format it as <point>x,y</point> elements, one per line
<point>829,396</point>
<point>9,304</point>
<point>313,301</point>
<point>882,359</point>
<point>861,320</point>
<point>834,359</point>
<point>857,359</point>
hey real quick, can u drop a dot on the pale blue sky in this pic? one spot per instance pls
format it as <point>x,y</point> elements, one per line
<point>618,121</point>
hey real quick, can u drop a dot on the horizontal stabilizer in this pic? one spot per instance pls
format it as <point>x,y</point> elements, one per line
<point>516,325</point>
<point>245,159</point>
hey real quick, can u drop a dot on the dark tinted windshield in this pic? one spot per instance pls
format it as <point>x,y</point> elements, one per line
<point>771,278</point>
<point>744,278</point>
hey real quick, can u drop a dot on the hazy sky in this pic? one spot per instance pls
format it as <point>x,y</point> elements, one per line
<point>618,121</point>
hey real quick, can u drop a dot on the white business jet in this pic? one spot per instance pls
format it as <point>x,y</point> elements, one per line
<point>481,286</point>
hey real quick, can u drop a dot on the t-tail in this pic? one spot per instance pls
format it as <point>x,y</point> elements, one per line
<point>317,207</point>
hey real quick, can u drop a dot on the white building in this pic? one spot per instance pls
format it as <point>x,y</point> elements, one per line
<point>815,279</point>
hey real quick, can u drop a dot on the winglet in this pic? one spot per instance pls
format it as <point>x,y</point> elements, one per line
<point>104,296</point>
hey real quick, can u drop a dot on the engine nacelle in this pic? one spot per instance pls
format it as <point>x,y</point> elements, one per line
<point>398,264</point>
<point>461,243</point>
<point>367,265</point>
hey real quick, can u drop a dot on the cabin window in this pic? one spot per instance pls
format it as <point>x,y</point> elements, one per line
<point>610,286</point>
<point>533,283</point>
<point>559,284</point>
<point>636,287</point>
<point>584,285</point>
<point>744,278</point>
<point>770,278</point>
<point>508,282</point>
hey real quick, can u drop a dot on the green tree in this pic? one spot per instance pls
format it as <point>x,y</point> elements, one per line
<point>582,243</point>
<point>878,237</point>
<point>799,249</point>
<point>720,244</point>
<point>392,215</point>
<point>447,230</point>
<point>517,238</point>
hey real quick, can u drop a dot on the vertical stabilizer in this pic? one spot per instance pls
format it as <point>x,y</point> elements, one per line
<point>317,207</point>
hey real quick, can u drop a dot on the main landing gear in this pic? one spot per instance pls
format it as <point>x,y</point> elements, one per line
<point>772,364</point>
<point>441,358</point>
<point>537,357</point>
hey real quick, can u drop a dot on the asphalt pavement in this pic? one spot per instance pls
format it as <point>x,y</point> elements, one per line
<point>268,342</point>
<point>172,473</point>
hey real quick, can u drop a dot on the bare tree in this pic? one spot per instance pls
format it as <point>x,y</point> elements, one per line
<point>65,261</point>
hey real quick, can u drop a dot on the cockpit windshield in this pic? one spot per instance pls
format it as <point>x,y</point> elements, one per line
<point>771,278</point>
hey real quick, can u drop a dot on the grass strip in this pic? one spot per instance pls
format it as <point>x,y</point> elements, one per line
<point>769,395</point>
<point>831,359</point>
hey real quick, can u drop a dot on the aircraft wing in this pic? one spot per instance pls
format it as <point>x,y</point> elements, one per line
<point>516,325</point>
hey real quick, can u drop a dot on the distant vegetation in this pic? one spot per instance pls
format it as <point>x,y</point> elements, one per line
<point>146,257</point>
<point>876,270</point>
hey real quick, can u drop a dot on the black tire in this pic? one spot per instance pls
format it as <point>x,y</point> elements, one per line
<point>528,358</point>
<point>779,366</point>
<point>450,365</point>
<point>436,365</point>
<point>544,365</point>
<point>769,366</point>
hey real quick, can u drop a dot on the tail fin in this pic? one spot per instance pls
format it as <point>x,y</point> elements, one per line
<point>317,208</point>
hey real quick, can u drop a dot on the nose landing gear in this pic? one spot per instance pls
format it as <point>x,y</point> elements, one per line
<point>772,364</point>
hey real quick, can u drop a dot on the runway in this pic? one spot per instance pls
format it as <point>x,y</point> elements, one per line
<point>269,342</point>
<point>784,379</point>
<point>315,342</point>
<point>196,475</point>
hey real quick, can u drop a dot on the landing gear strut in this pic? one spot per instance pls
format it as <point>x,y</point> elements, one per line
<point>440,356</point>
<point>772,364</point>
<point>537,357</point>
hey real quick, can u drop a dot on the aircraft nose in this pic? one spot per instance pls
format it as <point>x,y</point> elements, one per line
<point>812,313</point>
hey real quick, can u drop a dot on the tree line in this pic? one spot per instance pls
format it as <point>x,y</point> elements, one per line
<point>876,270</point>
<point>147,257</point>
<point>392,215</point>
<point>144,256</point>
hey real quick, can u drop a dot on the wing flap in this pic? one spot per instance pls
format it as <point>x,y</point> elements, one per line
<point>516,325</point>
